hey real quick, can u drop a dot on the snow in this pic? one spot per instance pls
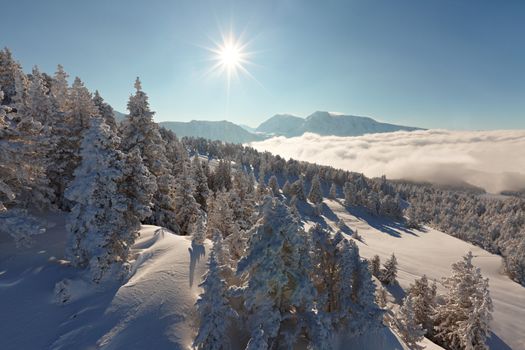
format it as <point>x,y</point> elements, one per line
<point>154,309</point>
<point>432,252</point>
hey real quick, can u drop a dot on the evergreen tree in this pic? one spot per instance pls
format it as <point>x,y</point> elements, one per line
<point>198,231</point>
<point>141,132</point>
<point>273,185</point>
<point>278,290</point>
<point>105,111</point>
<point>333,191</point>
<point>214,310</point>
<point>463,321</point>
<point>186,208</point>
<point>297,190</point>
<point>407,326</point>
<point>389,273</point>
<point>60,89</point>
<point>375,266</point>
<point>201,183</point>
<point>316,194</point>
<point>104,221</point>
<point>287,189</point>
<point>424,302</point>
<point>350,194</point>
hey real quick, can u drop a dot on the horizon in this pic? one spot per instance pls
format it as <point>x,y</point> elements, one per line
<point>441,64</point>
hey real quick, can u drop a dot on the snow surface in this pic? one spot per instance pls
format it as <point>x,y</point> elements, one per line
<point>153,310</point>
<point>431,252</point>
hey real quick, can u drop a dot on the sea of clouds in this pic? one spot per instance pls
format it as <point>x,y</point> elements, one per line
<point>493,160</point>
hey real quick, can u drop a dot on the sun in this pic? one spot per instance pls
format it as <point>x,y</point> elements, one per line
<point>230,56</point>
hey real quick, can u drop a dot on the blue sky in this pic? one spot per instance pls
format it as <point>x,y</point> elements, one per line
<point>434,63</point>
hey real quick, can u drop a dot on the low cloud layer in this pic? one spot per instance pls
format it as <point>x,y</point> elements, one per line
<point>493,160</point>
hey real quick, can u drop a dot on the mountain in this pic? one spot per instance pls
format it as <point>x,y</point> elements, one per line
<point>214,130</point>
<point>282,125</point>
<point>119,116</point>
<point>287,125</point>
<point>326,124</point>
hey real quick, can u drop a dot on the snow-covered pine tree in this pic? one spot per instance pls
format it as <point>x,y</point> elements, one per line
<point>60,89</point>
<point>350,194</point>
<point>273,185</point>
<point>104,222</point>
<point>297,190</point>
<point>201,191</point>
<point>9,69</point>
<point>279,296</point>
<point>105,111</point>
<point>67,133</point>
<point>214,310</point>
<point>333,191</point>
<point>463,320</point>
<point>407,326</point>
<point>198,230</point>
<point>424,302</point>
<point>186,208</point>
<point>375,266</point>
<point>389,272</point>
<point>141,132</point>
<point>316,194</point>
<point>355,290</point>
<point>287,189</point>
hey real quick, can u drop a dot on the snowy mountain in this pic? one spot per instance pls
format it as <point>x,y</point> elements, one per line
<point>213,130</point>
<point>325,124</point>
<point>282,125</point>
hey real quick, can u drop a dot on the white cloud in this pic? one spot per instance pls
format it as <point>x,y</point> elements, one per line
<point>494,160</point>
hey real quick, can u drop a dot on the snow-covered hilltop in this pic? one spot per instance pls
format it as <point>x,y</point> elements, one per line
<point>287,125</point>
<point>326,124</point>
<point>122,235</point>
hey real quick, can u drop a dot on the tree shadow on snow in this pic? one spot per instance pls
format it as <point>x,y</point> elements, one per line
<point>196,252</point>
<point>495,342</point>
<point>384,224</point>
<point>397,292</point>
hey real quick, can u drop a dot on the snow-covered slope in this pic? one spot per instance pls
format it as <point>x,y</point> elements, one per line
<point>153,310</point>
<point>282,125</point>
<point>213,130</point>
<point>431,252</point>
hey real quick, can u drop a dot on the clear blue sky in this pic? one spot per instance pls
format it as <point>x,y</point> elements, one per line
<point>434,63</point>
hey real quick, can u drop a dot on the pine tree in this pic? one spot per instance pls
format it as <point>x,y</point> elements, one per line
<point>407,326</point>
<point>201,183</point>
<point>389,273</point>
<point>297,190</point>
<point>287,189</point>
<point>104,221</point>
<point>316,195</point>
<point>198,230</point>
<point>214,310</point>
<point>350,194</point>
<point>463,321</point>
<point>186,208</point>
<point>276,271</point>
<point>105,111</point>
<point>424,302</point>
<point>60,89</point>
<point>141,132</point>
<point>273,185</point>
<point>9,68</point>
<point>67,136</point>
<point>375,266</point>
<point>333,191</point>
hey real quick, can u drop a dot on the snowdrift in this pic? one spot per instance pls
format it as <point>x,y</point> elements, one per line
<point>153,310</point>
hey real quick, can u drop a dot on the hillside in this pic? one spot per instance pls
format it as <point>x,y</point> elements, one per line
<point>213,130</point>
<point>326,124</point>
<point>154,308</point>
